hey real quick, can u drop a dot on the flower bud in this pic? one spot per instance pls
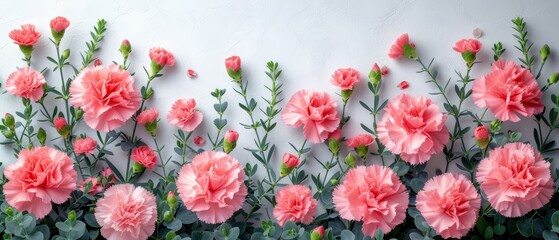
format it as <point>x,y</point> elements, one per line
<point>72,216</point>
<point>334,182</point>
<point>290,160</point>
<point>148,93</point>
<point>544,52</point>
<point>334,146</point>
<point>97,62</point>
<point>79,114</point>
<point>317,233</point>
<point>168,216</point>
<point>62,127</point>
<point>375,75</point>
<point>137,168</point>
<point>350,160</point>
<point>384,70</point>
<point>66,54</point>
<point>9,134</point>
<point>284,170</point>
<point>58,26</point>
<point>233,67</point>
<point>171,200</point>
<point>495,126</point>
<point>125,48</point>
<point>9,211</point>
<point>553,79</point>
<point>9,121</point>
<point>346,94</point>
<point>482,136</point>
<point>41,136</point>
<point>230,141</point>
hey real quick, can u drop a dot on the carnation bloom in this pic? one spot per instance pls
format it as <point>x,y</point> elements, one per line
<point>316,111</point>
<point>295,203</point>
<point>471,45</point>
<point>126,212</point>
<point>60,123</point>
<point>481,133</point>
<point>231,136</point>
<point>374,195</point>
<point>397,49</point>
<point>233,63</point>
<point>162,57</point>
<point>26,83</point>
<point>59,24</point>
<point>96,186</point>
<point>361,139</point>
<point>212,186</point>
<point>508,91</point>
<point>26,36</point>
<point>41,176</point>
<point>145,156</point>
<point>107,173</point>
<point>345,78</point>
<point>184,115</point>
<point>107,96</point>
<point>516,179</point>
<point>147,116</point>
<point>413,127</point>
<point>84,145</point>
<point>450,204</point>
<point>290,160</point>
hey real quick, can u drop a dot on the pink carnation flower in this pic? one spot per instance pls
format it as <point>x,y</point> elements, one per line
<point>413,127</point>
<point>231,136</point>
<point>345,78</point>
<point>295,203</point>
<point>397,49</point>
<point>508,91</point>
<point>184,115</point>
<point>471,45</point>
<point>515,179</point>
<point>162,57</point>
<point>107,96</point>
<point>59,24</point>
<point>144,155</point>
<point>26,83</point>
<point>361,139</point>
<point>233,63</point>
<point>290,160</point>
<point>107,173</point>
<point>481,133</point>
<point>126,212</point>
<point>84,145</point>
<point>147,116</point>
<point>374,195</point>
<point>26,36</point>
<point>212,186</point>
<point>450,204</point>
<point>96,186</point>
<point>41,176</point>
<point>316,111</point>
<point>60,123</point>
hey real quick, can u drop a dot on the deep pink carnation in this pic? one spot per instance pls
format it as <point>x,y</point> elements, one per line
<point>361,139</point>
<point>481,133</point>
<point>107,96</point>
<point>147,116</point>
<point>59,24</point>
<point>374,195</point>
<point>233,63</point>
<point>162,57</point>
<point>515,179</point>
<point>41,176</point>
<point>316,111</point>
<point>26,36</point>
<point>84,145</point>
<point>96,186</point>
<point>184,115</point>
<point>397,49</point>
<point>126,212</point>
<point>212,186</point>
<point>413,127</point>
<point>296,204</point>
<point>60,123</point>
<point>470,45</point>
<point>144,155</point>
<point>26,83</point>
<point>450,204</point>
<point>290,160</point>
<point>345,78</point>
<point>508,91</point>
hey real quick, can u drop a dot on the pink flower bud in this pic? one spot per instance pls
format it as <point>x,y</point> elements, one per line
<point>320,231</point>
<point>403,85</point>
<point>60,123</point>
<point>145,156</point>
<point>191,73</point>
<point>231,136</point>
<point>59,24</point>
<point>97,62</point>
<point>147,116</point>
<point>384,70</point>
<point>376,68</point>
<point>161,57</point>
<point>199,140</point>
<point>233,63</point>
<point>481,133</point>
<point>290,160</point>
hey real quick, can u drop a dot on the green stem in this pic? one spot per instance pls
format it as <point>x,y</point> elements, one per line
<point>259,199</point>
<point>163,162</point>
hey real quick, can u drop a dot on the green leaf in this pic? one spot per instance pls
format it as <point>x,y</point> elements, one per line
<point>538,227</point>
<point>525,227</point>
<point>549,235</point>
<point>62,227</point>
<point>347,235</point>
<point>90,220</point>
<point>499,229</point>
<point>488,233</point>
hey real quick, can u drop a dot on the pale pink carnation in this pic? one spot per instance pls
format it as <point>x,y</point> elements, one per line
<point>397,49</point>
<point>450,204</point>
<point>508,91</point>
<point>107,96</point>
<point>26,36</point>
<point>96,186</point>
<point>481,133</point>
<point>59,24</point>
<point>184,115</point>
<point>295,203</point>
<point>233,63</point>
<point>84,145</point>
<point>162,57</point>
<point>361,139</point>
<point>126,212</point>
<point>471,45</point>
<point>374,195</point>
<point>516,179</point>
<point>345,78</point>
<point>231,136</point>
<point>26,83</point>
<point>147,116</point>
<point>212,186</point>
<point>41,176</point>
<point>413,127</point>
<point>316,111</point>
<point>290,160</point>
<point>144,155</point>
<point>60,123</point>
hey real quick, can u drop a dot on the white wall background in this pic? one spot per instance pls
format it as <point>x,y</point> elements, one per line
<point>310,39</point>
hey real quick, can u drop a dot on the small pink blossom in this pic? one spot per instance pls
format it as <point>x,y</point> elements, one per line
<point>471,45</point>
<point>191,73</point>
<point>60,123</point>
<point>375,68</point>
<point>96,186</point>
<point>184,115</point>
<point>144,155</point>
<point>481,133</point>
<point>97,62</point>
<point>26,36</point>
<point>84,145</point>
<point>384,70</point>
<point>26,83</point>
<point>199,141</point>
<point>59,24</point>
<point>345,78</point>
<point>397,49</point>
<point>290,160</point>
<point>233,63</point>
<point>231,136</point>
<point>107,173</point>
<point>162,57</point>
<point>296,204</point>
<point>147,116</point>
<point>360,140</point>
<point>319,230</point>
<point>403,85</point>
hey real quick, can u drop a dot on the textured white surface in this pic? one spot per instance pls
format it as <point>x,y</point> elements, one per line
<point>310,39</point>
